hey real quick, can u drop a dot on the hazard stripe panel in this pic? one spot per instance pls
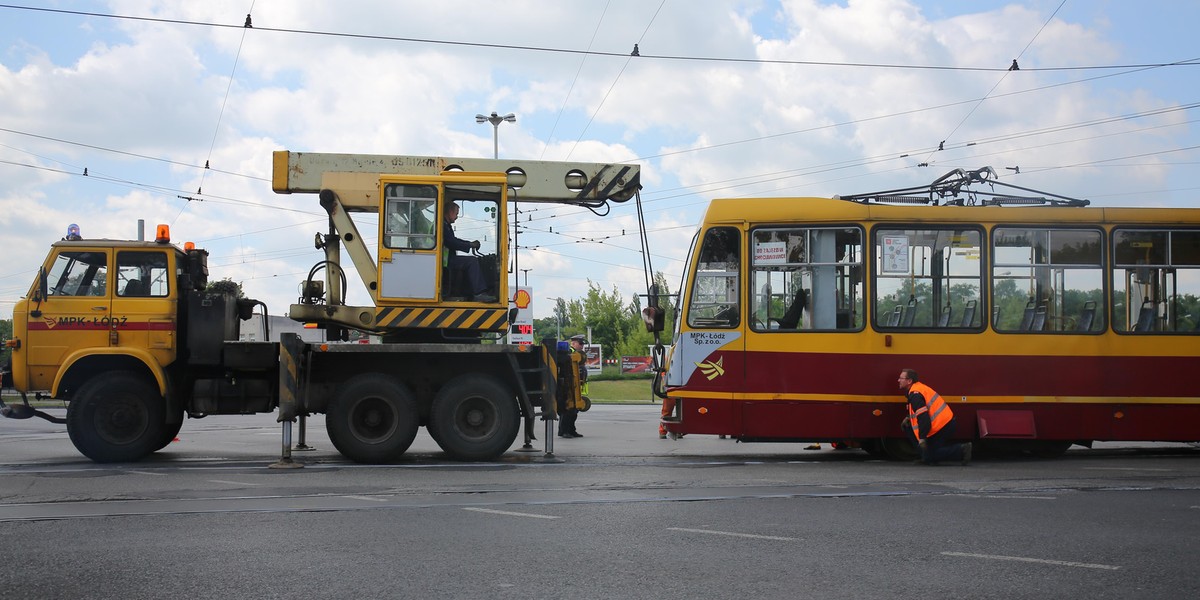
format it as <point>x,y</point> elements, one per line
<point>481,319</point>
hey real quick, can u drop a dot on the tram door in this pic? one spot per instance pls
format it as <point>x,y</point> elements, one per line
<point>710,353</point>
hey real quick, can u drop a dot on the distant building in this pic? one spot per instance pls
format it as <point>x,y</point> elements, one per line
<point>252,329</point>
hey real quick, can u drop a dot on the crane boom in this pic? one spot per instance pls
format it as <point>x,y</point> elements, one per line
<point>356,176</point>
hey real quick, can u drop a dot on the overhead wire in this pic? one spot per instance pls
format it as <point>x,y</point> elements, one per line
<point>221,113</point>
<point>563,107</point>
<point>1014,67</point>
<point>694,149</point>
<point>127,153</point>
<point>1188,62</point>
<point>641,55</point>
<point>616,79</point>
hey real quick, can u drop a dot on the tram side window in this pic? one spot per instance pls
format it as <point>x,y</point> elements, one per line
<point>807,279</point>
<point>715,287</point>
<point>1156,281</point>
<point>1047,280</point>
<point>928,278</point>
<point>78,274</point>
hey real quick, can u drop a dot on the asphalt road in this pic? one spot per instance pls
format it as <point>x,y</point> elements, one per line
<point>616,514</point>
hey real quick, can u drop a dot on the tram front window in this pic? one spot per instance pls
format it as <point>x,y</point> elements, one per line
<point>714,301</point>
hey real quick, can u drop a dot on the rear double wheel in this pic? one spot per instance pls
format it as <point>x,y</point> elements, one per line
<point>372,419</point>
<point>117,417</point>
<point>474,417</point>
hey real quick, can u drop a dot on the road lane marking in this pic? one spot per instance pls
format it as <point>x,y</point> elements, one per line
<point>227,482</point>
<point>509,513</point>
<point>1126,469</point>
<point>146,473</point>
<point>1002,496</point>
<point>733,534</point>
<point>1061,563</point>
<point>367,498</point>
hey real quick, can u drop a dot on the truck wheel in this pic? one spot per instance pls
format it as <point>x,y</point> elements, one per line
<point>474,417</point>
<point>170,430</point>
<point>373,419</point>
<point>116,417</point>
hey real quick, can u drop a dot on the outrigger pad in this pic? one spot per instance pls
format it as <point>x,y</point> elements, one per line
<point>24,411</point>
<point>19,411</point>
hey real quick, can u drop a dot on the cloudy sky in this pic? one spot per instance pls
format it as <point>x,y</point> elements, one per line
<point>735,98</point>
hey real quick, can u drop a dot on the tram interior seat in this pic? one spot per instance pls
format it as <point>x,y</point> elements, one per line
<point>1146,317</point>
<point>909,314</point>
<point>1087,316</point>
<point>893,318</point>
<point>1027,317</point>
<point>791,318</point>
<point>968,314</point>
<point>1039,318</point>
<point>944,318</point>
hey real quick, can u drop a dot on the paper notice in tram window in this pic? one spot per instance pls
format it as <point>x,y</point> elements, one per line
<point>895,254</point>
<point>770,253</point>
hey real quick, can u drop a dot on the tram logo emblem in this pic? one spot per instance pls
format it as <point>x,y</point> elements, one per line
<point>712,370</point>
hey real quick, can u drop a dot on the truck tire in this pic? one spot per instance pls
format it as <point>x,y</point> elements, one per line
<point>373,419</point>
<point>170,430</point>
<point>116,417</point>
<point>474,417</point>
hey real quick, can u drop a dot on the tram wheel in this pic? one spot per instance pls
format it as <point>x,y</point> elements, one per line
<point>1050,448</point>
<point>874,447</point>
<point>899,449</point>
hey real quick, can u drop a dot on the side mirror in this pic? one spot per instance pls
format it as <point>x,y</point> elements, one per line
<point>42,292</point>
<point>654,318</point>
<point>653,315</point>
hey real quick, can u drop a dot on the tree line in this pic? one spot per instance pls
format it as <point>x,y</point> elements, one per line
<point>615,320</point>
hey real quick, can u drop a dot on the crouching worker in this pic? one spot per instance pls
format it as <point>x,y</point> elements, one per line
<point>932,422</point>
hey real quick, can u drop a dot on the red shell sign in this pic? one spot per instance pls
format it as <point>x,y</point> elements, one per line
<point>521,299</point>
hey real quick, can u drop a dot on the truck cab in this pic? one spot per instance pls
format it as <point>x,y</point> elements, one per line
<point>97,305</point>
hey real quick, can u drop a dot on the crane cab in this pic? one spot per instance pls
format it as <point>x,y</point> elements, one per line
<point>420,254</point>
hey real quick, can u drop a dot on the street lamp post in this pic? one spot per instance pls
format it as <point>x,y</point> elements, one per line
<point>496,120</point>
<point>558,313</point>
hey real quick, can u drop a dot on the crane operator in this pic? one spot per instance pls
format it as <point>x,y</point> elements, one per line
<point>467,265</point>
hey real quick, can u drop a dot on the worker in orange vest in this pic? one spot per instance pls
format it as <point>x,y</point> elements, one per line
<point>932,422</point>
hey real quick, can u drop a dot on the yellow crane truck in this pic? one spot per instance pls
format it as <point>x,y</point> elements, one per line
<point>130,335</point>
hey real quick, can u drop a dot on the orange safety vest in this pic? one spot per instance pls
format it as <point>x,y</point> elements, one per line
<point>939,412</point>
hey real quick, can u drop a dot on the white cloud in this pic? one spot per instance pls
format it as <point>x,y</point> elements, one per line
<point>710,128</point>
